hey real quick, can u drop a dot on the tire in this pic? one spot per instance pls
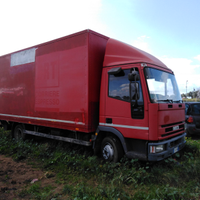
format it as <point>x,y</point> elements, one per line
<point>111,149</point>
<point>19,133</point>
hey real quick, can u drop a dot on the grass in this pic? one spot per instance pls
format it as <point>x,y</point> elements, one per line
<point>35,191</point>
<point>84,176</point>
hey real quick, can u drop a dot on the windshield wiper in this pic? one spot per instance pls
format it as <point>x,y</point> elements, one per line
<point>178,101</point>
<point>166,100</point>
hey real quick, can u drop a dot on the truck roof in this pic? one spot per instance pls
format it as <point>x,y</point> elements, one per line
<point>118,53</point>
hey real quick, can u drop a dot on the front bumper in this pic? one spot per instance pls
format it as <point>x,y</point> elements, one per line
<point>172,146</point>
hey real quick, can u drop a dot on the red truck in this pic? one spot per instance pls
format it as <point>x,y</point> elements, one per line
<point>92,90</point>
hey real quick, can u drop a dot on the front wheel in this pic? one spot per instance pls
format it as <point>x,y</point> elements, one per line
<point>111,149</point>
<point>19,133</point>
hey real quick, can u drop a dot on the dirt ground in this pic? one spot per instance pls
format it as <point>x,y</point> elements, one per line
<point>17,176</point>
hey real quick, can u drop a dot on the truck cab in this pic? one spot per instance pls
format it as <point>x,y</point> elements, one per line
<point>141,110</point>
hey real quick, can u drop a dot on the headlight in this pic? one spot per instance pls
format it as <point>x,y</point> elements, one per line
<point>156,149</point>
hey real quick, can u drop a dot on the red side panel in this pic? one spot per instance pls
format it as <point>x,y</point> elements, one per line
<point>16,87</point>
<point>54,84</point>
<point>61,81</point>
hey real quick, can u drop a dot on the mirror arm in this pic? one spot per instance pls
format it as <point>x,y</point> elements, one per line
<point>136,94</point>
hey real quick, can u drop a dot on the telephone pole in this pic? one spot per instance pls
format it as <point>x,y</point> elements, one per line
<point>186,89</point>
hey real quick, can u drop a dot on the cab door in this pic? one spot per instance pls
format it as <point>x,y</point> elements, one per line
<point>123,110</point>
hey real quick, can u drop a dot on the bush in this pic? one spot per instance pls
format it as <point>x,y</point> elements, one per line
<point>88,177</point>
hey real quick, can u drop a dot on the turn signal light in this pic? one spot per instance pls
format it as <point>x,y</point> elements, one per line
<point>190,120</point>
<point>156,149</point>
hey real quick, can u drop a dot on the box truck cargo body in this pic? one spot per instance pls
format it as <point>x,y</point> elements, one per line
<point>89,89</point>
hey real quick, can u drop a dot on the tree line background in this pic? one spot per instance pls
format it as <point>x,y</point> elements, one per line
<point>192,95</point>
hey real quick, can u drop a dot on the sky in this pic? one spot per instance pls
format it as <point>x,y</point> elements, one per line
<point>167,29</point>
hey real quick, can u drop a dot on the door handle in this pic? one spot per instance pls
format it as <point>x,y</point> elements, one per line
<point>109,120</point>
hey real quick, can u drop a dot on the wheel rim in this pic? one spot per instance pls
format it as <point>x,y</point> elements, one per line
<point>108,151</point>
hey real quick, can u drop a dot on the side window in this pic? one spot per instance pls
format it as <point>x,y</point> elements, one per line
<point>186,108</point>
<point>119,86</point>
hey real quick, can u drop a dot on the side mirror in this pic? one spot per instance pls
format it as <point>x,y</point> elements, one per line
<point>115,71</point>
<point>134,76</point>
<point>134,90</point>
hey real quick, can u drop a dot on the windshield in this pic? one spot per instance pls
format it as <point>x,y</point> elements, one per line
<point>162,86</point>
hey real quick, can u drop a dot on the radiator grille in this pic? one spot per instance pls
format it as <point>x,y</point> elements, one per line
<point>171,129</point>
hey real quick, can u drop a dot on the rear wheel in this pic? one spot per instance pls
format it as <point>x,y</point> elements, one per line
<point>19,133</point>
<point>111,149</point>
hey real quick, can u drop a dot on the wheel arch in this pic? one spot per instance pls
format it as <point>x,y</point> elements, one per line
<point>102,132</point>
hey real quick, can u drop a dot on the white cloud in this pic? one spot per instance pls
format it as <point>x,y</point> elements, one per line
<point>184,70</point>
<point>141,43</point>
<point>197,57</point>
<point>28,23</point>
<point>124,87</point>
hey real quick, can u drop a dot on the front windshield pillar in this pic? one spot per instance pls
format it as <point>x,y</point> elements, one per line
<point>165,89</point>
